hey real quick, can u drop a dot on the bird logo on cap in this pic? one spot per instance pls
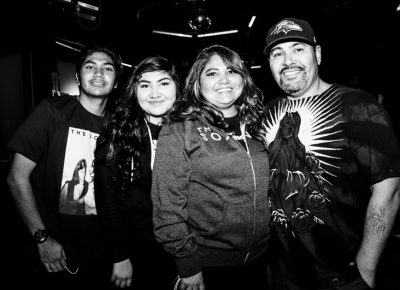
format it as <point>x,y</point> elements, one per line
<point>286,26</point>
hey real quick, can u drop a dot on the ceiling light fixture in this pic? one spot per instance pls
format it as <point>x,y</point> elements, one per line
<point>252,21</point>
<point>67,46</point>
<point>199,21</point>
<point>77,49</point>
<point>88,6</point>
<point>126,64</point>
<point>218,33</point>
<point>190,19</point>
<point>172,33</point>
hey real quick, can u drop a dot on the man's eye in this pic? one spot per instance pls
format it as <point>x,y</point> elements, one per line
<point>110,69</point>
<point>276,54</point>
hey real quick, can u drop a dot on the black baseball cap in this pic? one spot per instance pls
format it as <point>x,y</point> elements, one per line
<point>289,29</point>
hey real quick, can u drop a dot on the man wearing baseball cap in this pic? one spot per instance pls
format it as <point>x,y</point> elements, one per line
<point>335,171</point>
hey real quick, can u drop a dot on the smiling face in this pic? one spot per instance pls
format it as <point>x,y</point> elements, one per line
<point>97,75</point>
<point>156,93</point>
<point>221,86</point>
<point>294,66</point>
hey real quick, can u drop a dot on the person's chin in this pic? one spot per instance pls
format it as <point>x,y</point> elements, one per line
<point>226,103</point>
<point>100,92</point>
<point>158,113</point>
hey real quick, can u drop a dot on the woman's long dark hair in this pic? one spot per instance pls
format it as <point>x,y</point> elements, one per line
<point>75,175</point>
<point>193,103</point>
<point>124,131</point>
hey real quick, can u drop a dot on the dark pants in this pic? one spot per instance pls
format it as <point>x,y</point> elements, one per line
<point>153,268</point>
<point>388,274</point>
<point>87,277</point>
<point>250,276</point>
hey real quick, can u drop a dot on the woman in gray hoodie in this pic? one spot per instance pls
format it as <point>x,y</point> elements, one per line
<point>211,178</point>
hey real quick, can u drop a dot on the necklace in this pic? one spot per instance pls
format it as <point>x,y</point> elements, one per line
<point>153,144</point>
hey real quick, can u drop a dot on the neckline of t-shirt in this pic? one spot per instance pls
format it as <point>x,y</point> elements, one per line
<point>331,87</point>
<point>88,112</point>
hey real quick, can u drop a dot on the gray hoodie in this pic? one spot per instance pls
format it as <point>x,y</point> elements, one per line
<point>210,196</point>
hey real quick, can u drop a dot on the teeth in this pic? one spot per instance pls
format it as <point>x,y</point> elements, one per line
<point>291,72</point>
<point>224,90</point>
<point>97,84</point>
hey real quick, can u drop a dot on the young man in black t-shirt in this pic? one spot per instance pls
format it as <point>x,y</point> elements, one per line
<point>53,152</point>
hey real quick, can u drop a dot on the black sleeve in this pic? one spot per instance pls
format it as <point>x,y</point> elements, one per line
<point>31,137</point>
<point>372,139</point>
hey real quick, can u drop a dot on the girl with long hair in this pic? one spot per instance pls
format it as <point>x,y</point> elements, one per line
<point>123,173</point>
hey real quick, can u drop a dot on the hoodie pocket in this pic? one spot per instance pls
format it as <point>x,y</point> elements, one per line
<point>263,217</point>
<point>234,231</point>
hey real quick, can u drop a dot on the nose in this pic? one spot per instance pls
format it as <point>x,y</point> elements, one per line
<point>154,94</point>
<point>98,72</point>
<point>288,59</point>
<point>223,79</point>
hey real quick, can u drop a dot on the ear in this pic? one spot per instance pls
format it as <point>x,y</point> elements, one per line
<point>77,79</point>
<point>318,54</point>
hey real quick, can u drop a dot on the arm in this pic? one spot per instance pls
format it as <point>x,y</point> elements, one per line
<point>51,252</point>
<point>111,218</point>
<point>170,191</point>
<point>380,217</point>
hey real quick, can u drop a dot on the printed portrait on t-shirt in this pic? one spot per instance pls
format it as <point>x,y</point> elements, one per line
<point>77,193</point>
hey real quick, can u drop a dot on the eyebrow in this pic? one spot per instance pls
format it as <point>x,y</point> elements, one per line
<point>158,81</point>
<point>93,62</point>
<point>210,68</point>
<point>295,43</point>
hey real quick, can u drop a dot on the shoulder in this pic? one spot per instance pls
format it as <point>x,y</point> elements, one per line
<point>353,96</point>
<point>57,105</point>
<point>63,102</point>
<point>180,127</point>
<point>358,103</point>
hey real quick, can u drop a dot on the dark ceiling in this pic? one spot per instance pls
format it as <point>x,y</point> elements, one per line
<point>357,37</point>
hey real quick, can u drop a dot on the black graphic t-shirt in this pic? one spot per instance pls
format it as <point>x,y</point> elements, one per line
<point>325,153</point>
<point>60,137</point>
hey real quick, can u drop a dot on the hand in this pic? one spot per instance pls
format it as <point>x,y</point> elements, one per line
<point>52,255</point>
<point>194,282</point>
<point>122,274</point>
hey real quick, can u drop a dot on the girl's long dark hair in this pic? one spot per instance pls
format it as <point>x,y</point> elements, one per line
<point>193,103</point>
<point>124,131</point>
